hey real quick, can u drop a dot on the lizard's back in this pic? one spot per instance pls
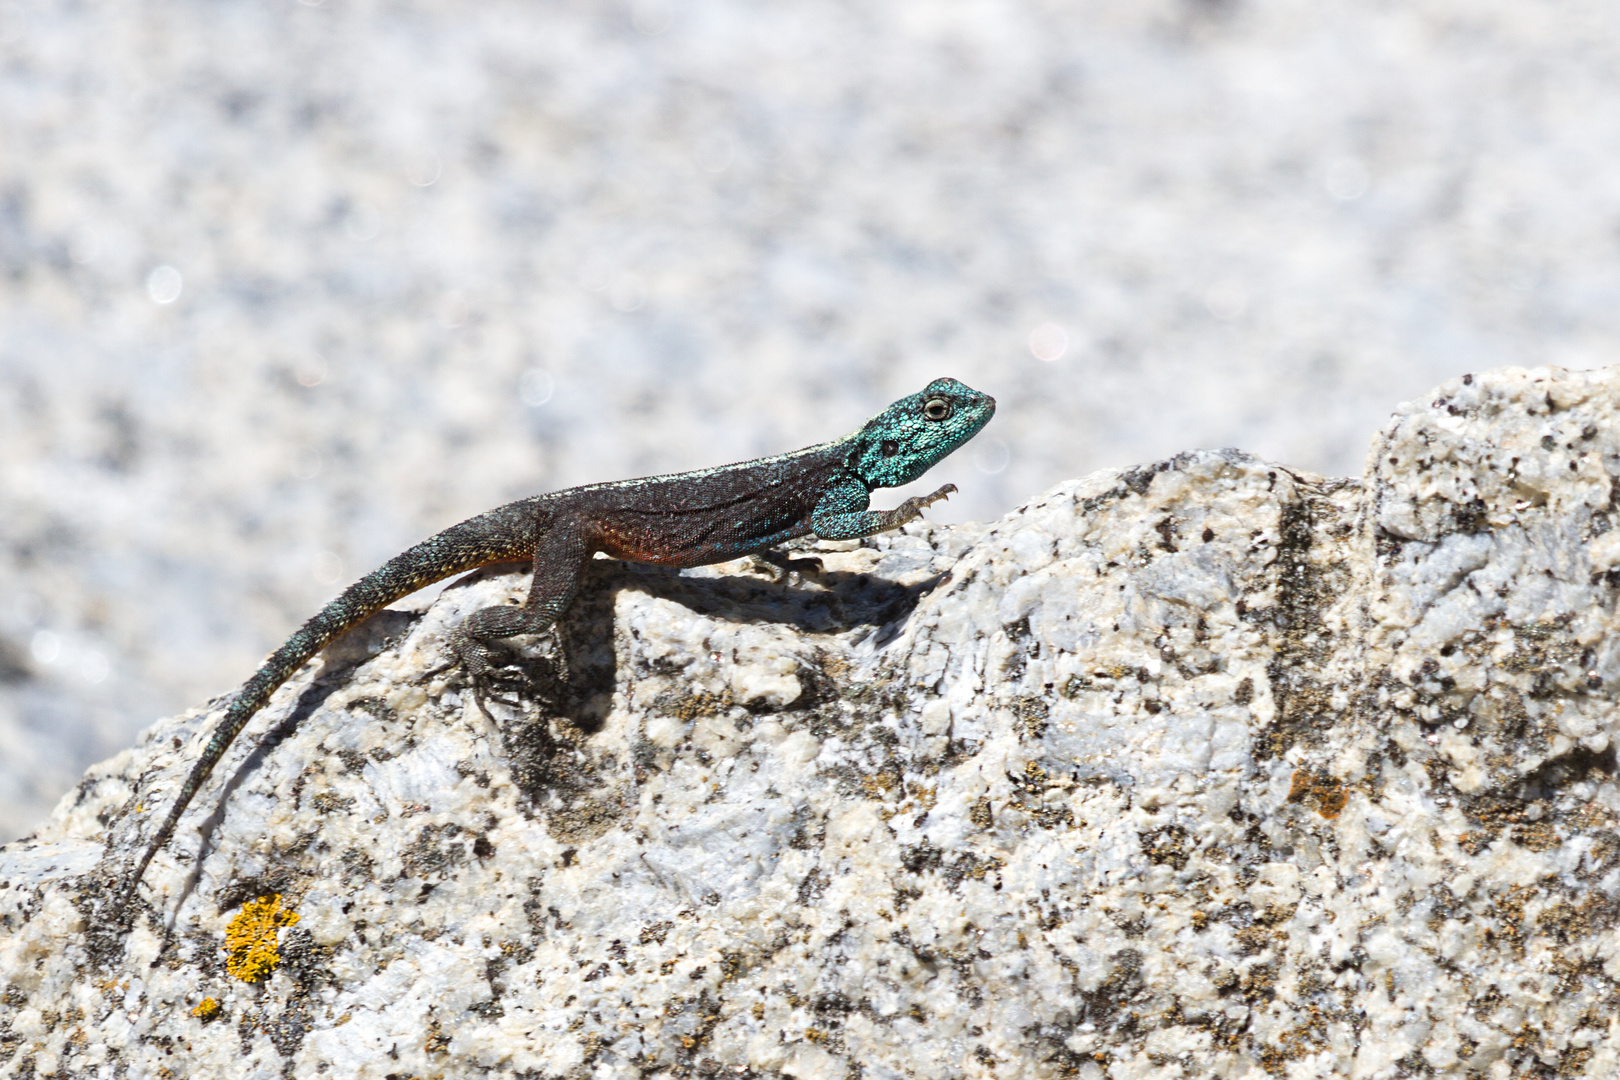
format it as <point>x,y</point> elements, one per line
<point>709,515</point>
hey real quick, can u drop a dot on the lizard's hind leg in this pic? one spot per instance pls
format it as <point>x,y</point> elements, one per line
<point>559,559</point>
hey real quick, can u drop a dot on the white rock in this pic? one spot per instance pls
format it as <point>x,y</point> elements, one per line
<point>1207,768</point>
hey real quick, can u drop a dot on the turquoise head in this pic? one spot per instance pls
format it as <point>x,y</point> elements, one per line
<point>908,438</point>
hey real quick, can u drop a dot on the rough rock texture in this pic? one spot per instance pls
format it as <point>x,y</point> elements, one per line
<point>434,255</point>
<point>1207,768</point>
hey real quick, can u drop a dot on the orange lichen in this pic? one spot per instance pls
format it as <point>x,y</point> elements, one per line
<point>207,1010</point>
<point>250,939</point>
<point>1320,792</point>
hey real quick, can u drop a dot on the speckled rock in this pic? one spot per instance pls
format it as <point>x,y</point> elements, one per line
<point>1205,768</point>
<point>433,256</point>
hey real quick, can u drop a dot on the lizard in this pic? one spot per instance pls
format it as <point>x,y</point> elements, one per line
<point>678,520</point>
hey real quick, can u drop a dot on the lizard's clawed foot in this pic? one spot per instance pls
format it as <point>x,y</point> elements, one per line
<point>495,673</point>
<point>502,686</point>
<point>491,673</point>
<point>912,508</point>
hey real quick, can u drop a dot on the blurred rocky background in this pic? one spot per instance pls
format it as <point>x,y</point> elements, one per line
<point>286,286</point>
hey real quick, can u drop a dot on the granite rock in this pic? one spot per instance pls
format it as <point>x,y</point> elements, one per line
<point>432,256</point>
<point>1210,767</point>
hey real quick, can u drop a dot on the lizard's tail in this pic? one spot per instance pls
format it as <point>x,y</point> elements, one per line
<point>479,541</point>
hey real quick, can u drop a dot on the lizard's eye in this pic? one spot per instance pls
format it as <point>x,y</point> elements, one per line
<point>937,409</point>
<point>890,448</point>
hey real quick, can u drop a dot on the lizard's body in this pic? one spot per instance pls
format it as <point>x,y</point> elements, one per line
<point>680,520</point>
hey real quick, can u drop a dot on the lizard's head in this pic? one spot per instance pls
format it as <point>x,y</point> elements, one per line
<point>905,440</point>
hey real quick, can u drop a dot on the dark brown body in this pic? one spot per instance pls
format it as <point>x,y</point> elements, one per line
<point>693,519</point>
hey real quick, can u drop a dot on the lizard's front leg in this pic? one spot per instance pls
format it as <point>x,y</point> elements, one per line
<point>842,514</point>
<point>559,560</point>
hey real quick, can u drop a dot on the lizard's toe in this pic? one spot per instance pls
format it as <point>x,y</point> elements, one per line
<point>501,684</point>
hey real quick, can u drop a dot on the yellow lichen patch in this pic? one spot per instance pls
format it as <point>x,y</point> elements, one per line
<point>207,1010</point>
<point>250,939</point>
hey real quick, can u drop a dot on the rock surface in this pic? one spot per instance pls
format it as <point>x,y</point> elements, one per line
<point>1205,768</point>
<point>434,255</point>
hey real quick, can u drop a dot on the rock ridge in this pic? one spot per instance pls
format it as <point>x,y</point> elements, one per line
<point>1205,768</point>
